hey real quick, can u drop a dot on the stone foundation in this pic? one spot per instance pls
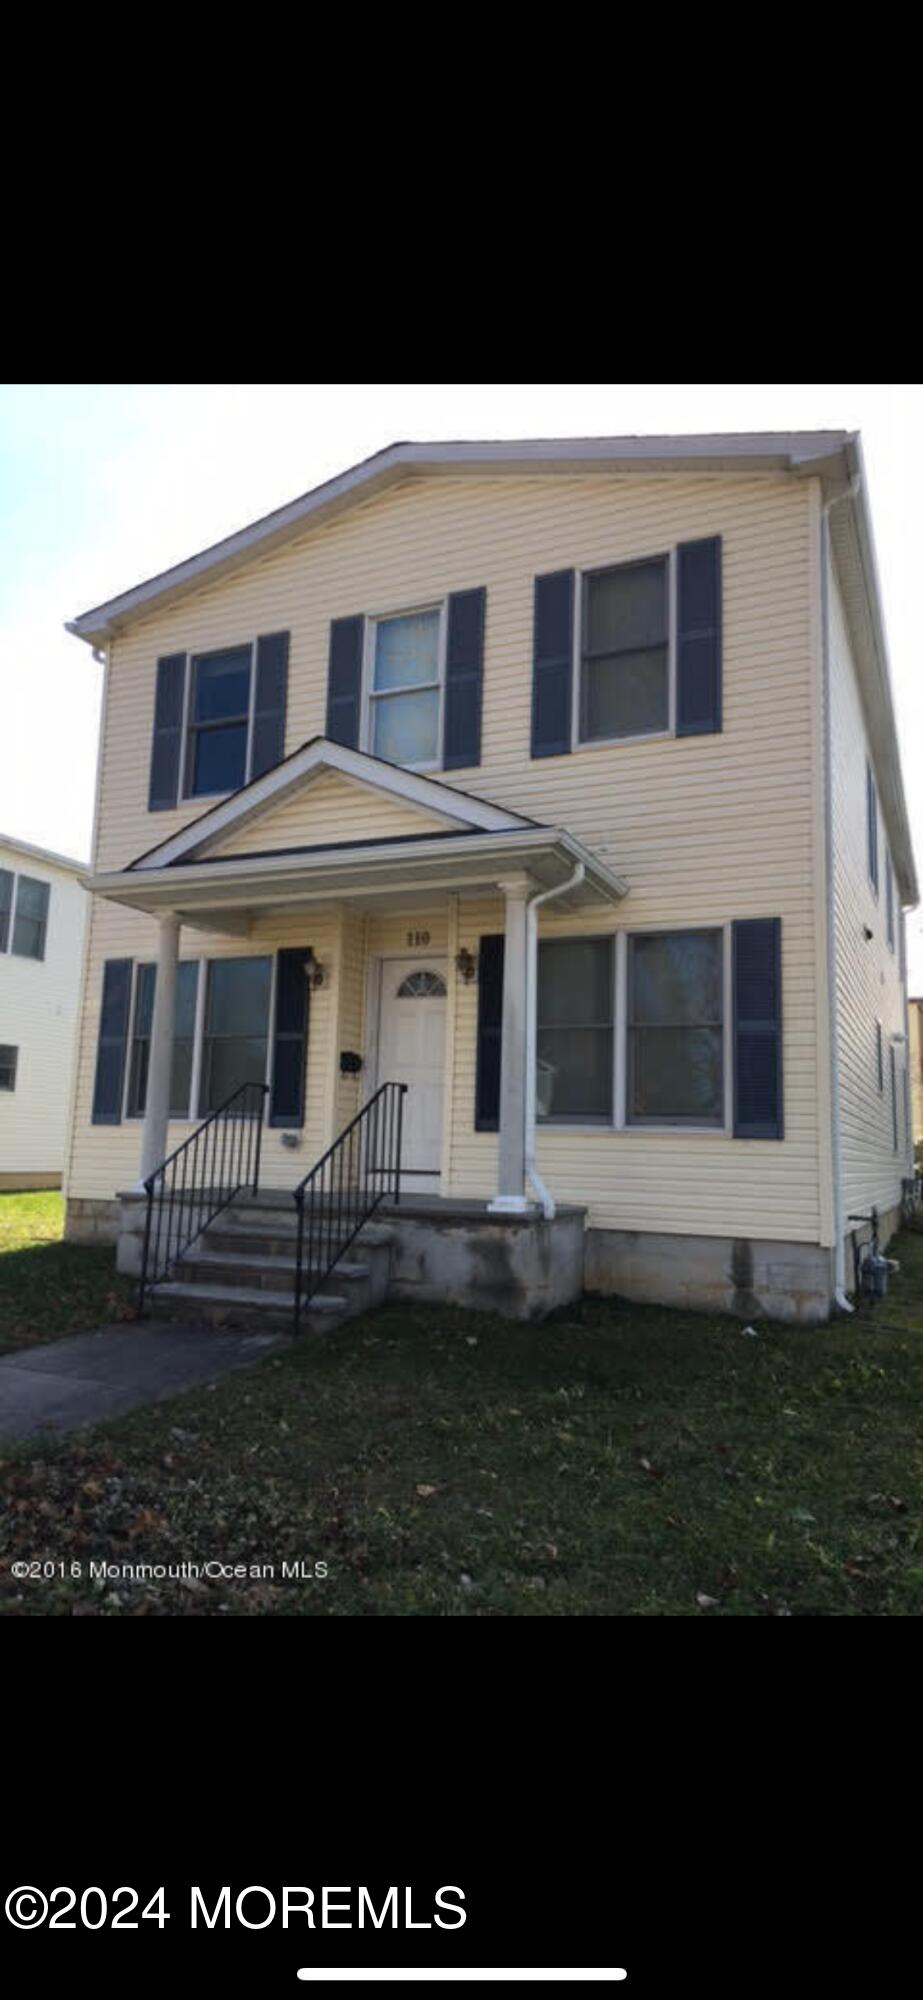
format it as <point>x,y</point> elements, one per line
<point>744,1276</point>
<point>88,1221</point>
<point>448,1253</point>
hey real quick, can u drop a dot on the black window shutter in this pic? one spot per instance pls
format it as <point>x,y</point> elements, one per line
<point>290,1039</point>
<point>464,673</point>
<point>269,702</point>
<point>698,637</point>
<point>168,732</point>
<point>552,663</point>
<point>757,994</point>
<point>113,1036</point>
<point>490,1034</point>
<point>344,680</point>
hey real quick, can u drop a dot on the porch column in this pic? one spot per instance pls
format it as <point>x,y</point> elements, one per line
<point>160,1064</point>
<point>510,1197</point>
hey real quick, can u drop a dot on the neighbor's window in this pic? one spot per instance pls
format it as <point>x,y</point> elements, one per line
<point>6,904</point>
<point>675,1029</point>
<point>187,982</point>
<point>218,724</point>
<point>574,1029</point>
<point>31,920</point>
<point>625,671</point>
<point>8,1059</point>
<point>404,693</point>
<point>236,1028</point>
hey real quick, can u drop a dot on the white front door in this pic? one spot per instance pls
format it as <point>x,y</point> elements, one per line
<point>411,1050</point>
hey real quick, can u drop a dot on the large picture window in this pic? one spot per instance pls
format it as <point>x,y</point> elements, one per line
<point>187,984</point>
<point>219,722</point>
<point>625,651</point>
<point>405,688</point>
<point>574,1029</point>
<point>676,1028</point>
<point>236,1028</point>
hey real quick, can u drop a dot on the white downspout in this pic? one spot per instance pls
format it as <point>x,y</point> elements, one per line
<point>839,1218</point>
<point>547,896</point>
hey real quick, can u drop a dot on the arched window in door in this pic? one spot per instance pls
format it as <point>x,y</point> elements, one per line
<point>423,985</point>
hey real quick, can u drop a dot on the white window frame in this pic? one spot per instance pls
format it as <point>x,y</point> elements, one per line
<point>198,1052</point>
<point>9,1089</point>
<point>238,646</point>
<point>620,1121</point>
<point>27,957</point>
<point>176,1117</point>
<point>579,742</point>
<point>369,696</point>
<point>600,1122</point>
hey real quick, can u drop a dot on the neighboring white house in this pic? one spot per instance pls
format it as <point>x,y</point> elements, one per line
<point>43,913</point>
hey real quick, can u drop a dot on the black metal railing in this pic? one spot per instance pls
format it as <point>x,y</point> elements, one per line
<point>360,1169</point>
<point>199,1179</point>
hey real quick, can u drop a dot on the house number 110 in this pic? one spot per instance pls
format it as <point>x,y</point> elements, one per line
<point>418,937</point>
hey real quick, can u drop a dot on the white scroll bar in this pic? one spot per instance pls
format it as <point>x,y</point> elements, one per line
<point>378,1972</point>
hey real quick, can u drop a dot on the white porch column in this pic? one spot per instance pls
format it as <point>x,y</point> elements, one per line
<point>510,1198</point>
<point>157,1107</point>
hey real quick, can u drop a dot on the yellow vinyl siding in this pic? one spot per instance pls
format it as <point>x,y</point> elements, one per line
<point>703,828</point>
<point>326,809</point>
<point>868,979</point>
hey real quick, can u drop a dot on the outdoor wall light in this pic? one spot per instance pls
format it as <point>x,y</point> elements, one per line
<point>466,965</point>
<point>313,971</point>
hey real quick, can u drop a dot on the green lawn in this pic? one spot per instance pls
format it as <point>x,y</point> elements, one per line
<point>47,1287</point>
<point>612,1460</point>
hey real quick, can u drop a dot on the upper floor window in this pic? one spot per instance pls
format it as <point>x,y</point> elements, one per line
<point>405,688</point>
<point>8,1060</point>
<point>218,725</point>
<point>23,914</point>
<point>871,817</point>
<point>625,651</point>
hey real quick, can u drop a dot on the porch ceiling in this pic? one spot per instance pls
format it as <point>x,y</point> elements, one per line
<point>229,895</point>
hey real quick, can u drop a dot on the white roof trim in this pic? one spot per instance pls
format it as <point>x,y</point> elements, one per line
<point>454,807</point>
<point>741,452</point>
<point>45,854</point>
<point>383,867</point>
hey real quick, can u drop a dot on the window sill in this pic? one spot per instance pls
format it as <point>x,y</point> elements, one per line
<point>619,742</point>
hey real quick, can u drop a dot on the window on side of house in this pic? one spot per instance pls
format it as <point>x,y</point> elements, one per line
<point>235,1042</point>
<point>893,1097</point>
<point>187,982</point>
<point>625,651</point>
<point>574,1048</point>
<point>406,674</point>
<point>30,924</point>
<point>8,1060</point>
<point>879,1059</point>
<point>889,901</point>
<point>6,905</point>
<point>218,722</point>
<point>675,1072</point>
<point>871,815</point>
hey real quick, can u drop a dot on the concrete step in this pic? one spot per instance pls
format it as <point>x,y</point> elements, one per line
<point>220,1266</point>
<point>244,1306</point>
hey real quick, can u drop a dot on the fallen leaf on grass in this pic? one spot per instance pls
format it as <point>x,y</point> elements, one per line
<point>426,1492</point>
<point>705,1603</point>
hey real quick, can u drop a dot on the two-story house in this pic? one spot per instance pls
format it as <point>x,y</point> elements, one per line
<point>43,912</point>
<point>557,782</point>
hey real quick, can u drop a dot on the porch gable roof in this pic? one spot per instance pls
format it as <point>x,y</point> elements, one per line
<point>440,806</point>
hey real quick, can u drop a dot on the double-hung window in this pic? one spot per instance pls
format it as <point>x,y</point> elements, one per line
<point>187,984</point>
<point>8,1060</point>
<point>405,678</point>
<point>675,1028</point>
<point>30,924</point>
<point>624,681</point>
<point>218,722</point>
<point>235,1042</point>
<point>574,1022</point>
<point>7,878</point>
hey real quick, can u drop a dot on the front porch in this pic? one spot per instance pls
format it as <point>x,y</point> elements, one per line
<point>329,971</point>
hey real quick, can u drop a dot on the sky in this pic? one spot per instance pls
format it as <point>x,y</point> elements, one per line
<point>102,485</point>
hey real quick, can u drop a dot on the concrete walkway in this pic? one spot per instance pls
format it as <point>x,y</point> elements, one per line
<point>92,1376</point>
